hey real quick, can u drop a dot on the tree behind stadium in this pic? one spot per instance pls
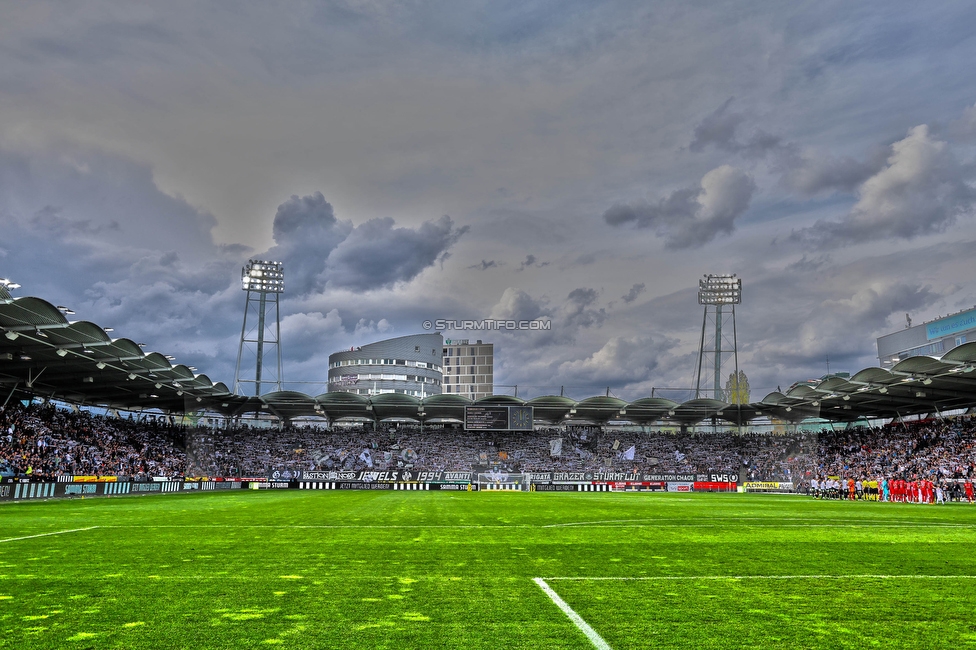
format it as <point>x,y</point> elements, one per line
<point>737,388</point>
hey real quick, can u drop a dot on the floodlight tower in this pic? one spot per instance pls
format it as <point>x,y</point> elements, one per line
<point>263,281</point>
<point>714,292</point>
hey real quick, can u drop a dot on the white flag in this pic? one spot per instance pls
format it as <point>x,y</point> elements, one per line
<point>556,447</point>
<point>367,458</point>
<point>629,454</point>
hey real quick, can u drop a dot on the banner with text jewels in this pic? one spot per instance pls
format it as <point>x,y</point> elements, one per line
<point>399,479</point>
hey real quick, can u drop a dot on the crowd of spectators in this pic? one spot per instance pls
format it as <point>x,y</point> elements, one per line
<point>42,441</point>
<point>254,452</point>
<point>935,450</point>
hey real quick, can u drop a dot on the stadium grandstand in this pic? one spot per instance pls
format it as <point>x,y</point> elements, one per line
<point>44,355</point>
<point>182,424</point>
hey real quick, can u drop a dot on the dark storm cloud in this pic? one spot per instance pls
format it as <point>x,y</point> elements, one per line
<point>807,172</point>
<point>808,264</point>
<point>678,206</point>
<point>319,251</point>
<point>485,265</point>
<point>692,217</point>
<point>306,232</point>
<point>577,311</point>
<point>49,219</point>
<point>99,199</point>
<point>813,173</point>
<point>582,297</point>
<point>718,129</point>
<point>376,254</point>
<point>635,291</point>
<point>529,262</point>
<point>921,190</point>
<point>77,218</point>
<point>304,215</point>
<point>567,319</point>
<point>92,231</point>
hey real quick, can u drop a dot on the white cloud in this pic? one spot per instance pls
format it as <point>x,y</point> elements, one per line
<point>621,361</point>
<point>692,217</point>
<point>922,190</point>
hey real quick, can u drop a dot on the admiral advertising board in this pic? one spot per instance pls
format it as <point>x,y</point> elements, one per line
<point>768,486</point>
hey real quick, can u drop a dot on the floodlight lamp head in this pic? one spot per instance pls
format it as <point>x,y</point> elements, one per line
<point>263,277</point>
<point>11,335</point>
<point>720,290</point>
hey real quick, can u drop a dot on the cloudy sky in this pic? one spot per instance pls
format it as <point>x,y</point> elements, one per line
<point>583,162</point>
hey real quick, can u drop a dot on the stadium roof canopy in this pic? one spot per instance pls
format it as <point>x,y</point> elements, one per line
<point>43,354</point>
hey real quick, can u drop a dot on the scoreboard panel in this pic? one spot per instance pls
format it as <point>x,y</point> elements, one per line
<point>498,418</point>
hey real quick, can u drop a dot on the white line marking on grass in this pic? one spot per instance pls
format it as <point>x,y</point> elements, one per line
<point>584,627</point>
<point>623,523</point>
<point>813,576</point>
<point>772,524</point>
<point>314,526</point>
<point>57,532</point>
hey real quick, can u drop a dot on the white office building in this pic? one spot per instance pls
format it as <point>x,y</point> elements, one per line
<point>469,368</point>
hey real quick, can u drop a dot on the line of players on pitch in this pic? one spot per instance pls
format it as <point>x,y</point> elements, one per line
<point>896,490</point>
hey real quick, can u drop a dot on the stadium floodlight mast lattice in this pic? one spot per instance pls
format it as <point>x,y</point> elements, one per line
<point>263,281</point>
<point>714,293</point>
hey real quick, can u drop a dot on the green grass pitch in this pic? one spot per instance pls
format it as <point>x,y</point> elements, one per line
<point>305,569</point>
